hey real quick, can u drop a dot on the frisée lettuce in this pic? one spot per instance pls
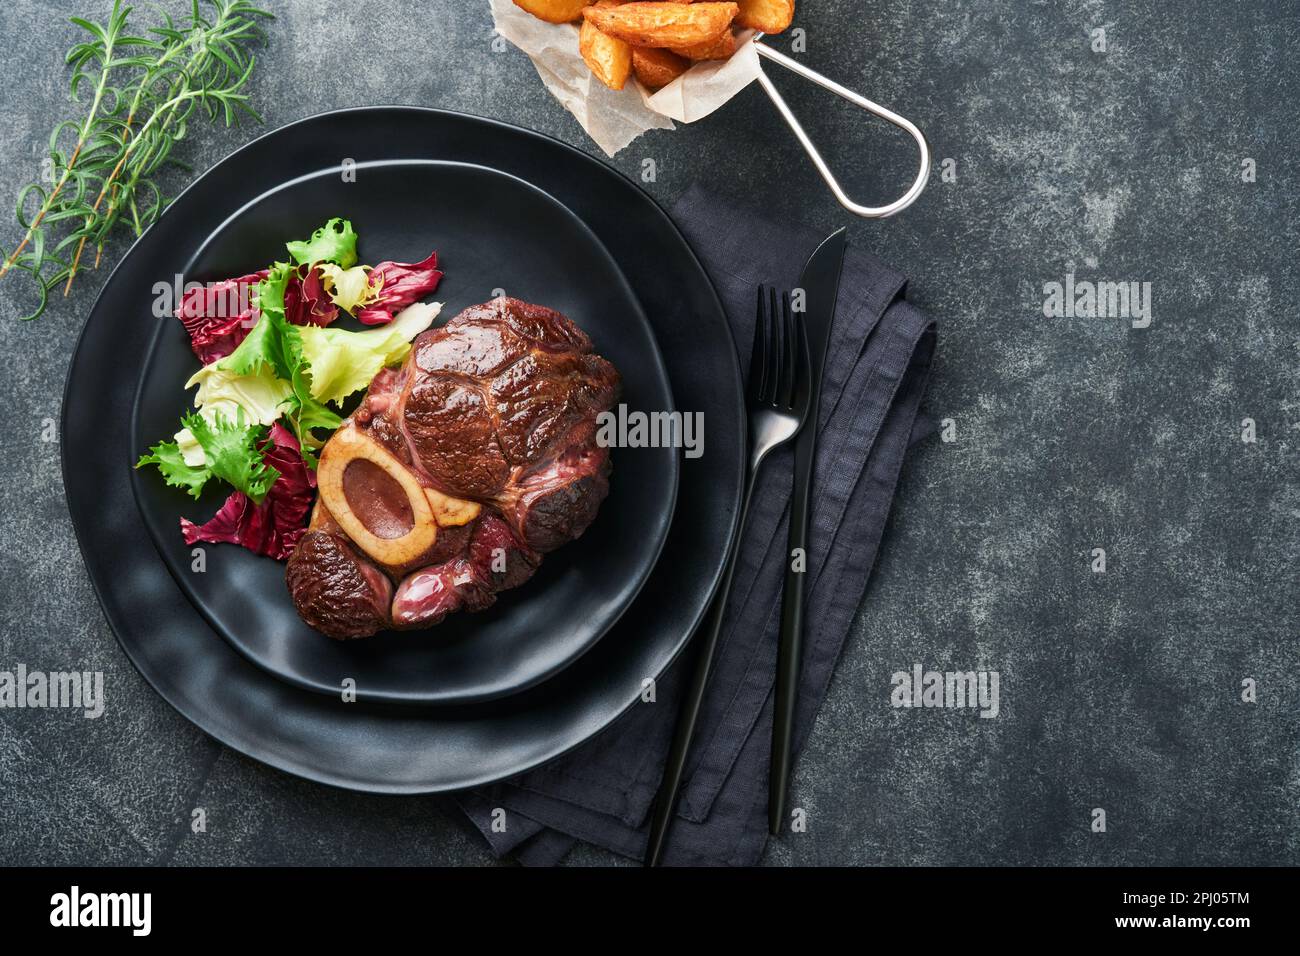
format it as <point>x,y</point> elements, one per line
<point>230,454</point>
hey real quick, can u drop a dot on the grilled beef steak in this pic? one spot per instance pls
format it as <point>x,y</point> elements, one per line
<point>456,473</point>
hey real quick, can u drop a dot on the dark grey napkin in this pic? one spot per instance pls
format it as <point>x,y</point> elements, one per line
<point>876,371</point>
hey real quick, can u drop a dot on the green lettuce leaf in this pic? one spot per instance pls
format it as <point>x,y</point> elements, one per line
<point>274,344</point>
<point>259,395</point>
<point>264,346</point>
<point>175,470</point>
<point>344,362</point>
<point>231,452</point>
<point>333,242</point>
<point>305,413</point>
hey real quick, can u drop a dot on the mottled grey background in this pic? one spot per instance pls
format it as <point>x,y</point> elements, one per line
<point>1119,690</point>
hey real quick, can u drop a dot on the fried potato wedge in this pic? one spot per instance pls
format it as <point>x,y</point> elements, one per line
<point>767,16</point>
<point>716,49</point>
<point>656,68</point>
<point>663,24</point>
<point>608,58</point>
<point>554,11</point>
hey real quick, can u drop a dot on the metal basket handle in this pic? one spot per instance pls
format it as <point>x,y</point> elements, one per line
<point>902,122</point>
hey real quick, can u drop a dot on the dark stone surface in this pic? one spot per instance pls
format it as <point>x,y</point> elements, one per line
<point>1119,690</point>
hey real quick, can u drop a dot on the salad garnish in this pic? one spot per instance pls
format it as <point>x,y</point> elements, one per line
<point>276,375</point>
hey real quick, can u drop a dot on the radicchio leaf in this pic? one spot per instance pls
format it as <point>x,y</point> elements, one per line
<point>306,302</point>
<point>273,527</point>
<point>399,284</point>
<point>206,311</point>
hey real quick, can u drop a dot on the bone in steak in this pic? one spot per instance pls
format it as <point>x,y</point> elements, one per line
<point>456,473</point>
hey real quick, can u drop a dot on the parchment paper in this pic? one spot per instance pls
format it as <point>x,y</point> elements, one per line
<point>613,118</point>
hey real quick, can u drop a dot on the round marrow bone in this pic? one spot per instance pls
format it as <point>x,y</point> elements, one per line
<point>347,445</point>
<point>429,509</point>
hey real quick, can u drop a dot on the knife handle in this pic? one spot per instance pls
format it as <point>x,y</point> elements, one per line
<point>789,655</point>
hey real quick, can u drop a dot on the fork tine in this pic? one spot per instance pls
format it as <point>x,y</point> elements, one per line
<point>788,354</point>
<point>758,353</point>
<point>775,348</point>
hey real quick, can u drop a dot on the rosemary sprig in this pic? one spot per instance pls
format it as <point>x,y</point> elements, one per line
<point>146,91</point>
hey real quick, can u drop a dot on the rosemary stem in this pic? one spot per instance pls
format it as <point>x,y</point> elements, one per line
<point>106,65</point>
<point>144,85</point>
<point>154,85</point>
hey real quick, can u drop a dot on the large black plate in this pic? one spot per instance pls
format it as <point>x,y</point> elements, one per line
<point>493,232</point>
<point>371,746</point>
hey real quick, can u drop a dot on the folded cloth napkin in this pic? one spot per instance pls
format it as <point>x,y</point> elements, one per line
<point>875,374</point>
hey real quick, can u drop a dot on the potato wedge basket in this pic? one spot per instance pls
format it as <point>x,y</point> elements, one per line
<point>614,116</point>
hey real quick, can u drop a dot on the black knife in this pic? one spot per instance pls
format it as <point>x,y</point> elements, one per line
<point>820,284</point>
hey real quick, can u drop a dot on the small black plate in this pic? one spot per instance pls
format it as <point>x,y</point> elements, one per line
<point>375,747</point>
<point>494,234</point>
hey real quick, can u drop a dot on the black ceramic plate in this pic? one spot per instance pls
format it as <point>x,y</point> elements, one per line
<point>493,232</point>
<point>385,748</point>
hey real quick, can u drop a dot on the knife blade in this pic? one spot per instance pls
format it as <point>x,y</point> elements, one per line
<point>820,284</point>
